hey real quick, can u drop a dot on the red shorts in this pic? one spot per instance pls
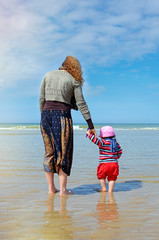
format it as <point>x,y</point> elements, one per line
<point>108,170</point>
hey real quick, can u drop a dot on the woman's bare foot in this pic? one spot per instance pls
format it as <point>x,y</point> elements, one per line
<point>66,192</point>
<point>52,191</point>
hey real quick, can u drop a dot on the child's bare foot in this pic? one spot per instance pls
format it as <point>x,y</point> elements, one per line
<point>66,192</point>
<point>103,189</point>
<point>110,191</point>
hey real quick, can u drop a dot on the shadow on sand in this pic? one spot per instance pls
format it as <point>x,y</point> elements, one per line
<point>87,189</point>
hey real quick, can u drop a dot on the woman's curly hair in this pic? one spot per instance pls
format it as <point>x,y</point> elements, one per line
<point>73,66</point>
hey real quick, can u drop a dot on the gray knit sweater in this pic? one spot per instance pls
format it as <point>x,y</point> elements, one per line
<point>61,86</point>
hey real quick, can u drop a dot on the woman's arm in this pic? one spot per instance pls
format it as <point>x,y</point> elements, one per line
<point>82,105</point>
<point>42,95</point>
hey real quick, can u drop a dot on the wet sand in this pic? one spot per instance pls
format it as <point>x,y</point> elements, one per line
<point>28,213</point>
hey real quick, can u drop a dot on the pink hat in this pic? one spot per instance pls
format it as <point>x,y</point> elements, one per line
<point>106,131</point>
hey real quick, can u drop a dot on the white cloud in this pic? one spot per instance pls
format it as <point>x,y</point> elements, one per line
<point>38,35</point>
<point>93,90</point>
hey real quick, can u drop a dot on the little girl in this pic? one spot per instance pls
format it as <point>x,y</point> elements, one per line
<point>109,153</point>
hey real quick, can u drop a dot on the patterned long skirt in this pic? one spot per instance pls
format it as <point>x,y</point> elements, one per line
<point>57,133</point>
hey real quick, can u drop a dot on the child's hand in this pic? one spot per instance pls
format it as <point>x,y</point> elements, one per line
<point>91,131</point>
<point>87,133</point>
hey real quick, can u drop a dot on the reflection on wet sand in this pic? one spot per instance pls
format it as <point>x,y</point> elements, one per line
<point>107,217</point>
<point>57,224</point>
<point>107,212</point>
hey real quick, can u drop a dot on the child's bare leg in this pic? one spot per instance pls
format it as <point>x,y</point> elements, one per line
<point>102,198</point>
<point>111,186</point>
<point>63,183</point>
<point>103,185</point>
<point>111,197</point>
<point>50,180</point>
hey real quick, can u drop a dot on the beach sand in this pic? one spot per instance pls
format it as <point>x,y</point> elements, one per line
<point>29,213</point>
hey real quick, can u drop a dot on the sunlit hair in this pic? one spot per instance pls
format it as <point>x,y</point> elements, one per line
<point>73,66</point>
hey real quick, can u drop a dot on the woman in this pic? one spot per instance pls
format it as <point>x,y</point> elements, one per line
<point>59,92</point>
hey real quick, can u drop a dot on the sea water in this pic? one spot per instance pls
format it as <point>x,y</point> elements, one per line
<point>27,212</point>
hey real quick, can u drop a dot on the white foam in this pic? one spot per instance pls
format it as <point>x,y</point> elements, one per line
<point>77,128</point>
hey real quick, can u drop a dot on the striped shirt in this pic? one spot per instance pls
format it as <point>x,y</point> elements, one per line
<point>109,149</point>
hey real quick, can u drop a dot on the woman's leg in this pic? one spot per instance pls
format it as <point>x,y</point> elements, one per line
<point>49,149</point>
<point>50,180</point>
<point>63,183</point>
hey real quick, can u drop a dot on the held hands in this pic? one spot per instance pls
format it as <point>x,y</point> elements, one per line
<point>91,131</point>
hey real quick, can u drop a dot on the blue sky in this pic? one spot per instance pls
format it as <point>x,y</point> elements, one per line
<point>116,41</point>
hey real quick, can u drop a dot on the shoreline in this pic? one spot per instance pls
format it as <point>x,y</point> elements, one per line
<point>82,126</point>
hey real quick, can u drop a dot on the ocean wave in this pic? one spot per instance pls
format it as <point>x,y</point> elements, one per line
<point>76,127</point>
<point>36,127</point>
<point>81,128</point>
<point>13,128</point>
<point>138,129</point>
